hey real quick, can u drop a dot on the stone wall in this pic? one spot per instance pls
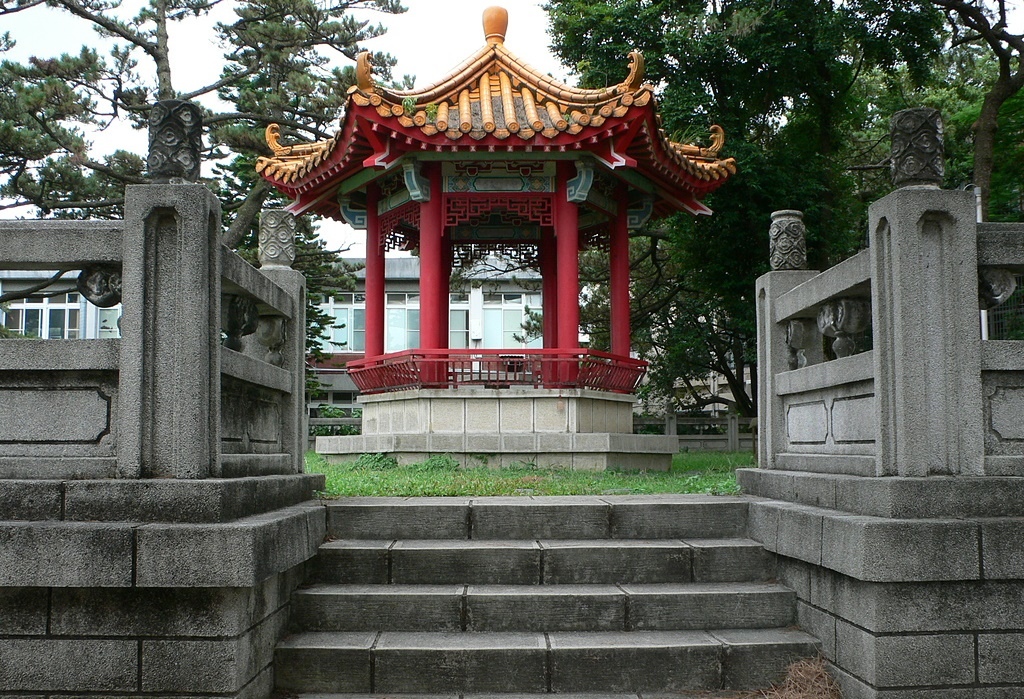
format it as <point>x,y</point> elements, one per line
<point>154,513</point>
<point>885,483</point>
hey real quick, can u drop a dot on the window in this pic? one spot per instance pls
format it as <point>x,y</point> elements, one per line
<point>458,328</point>
<point>109,322</point>
<point>347,332</point>
<point>402,322</point>
<point>503,319</point>
<point>48,317</point>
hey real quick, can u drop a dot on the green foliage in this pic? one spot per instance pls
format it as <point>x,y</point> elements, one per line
<point>376,462</point>
<point>782,79</point>
<point>440,475</point>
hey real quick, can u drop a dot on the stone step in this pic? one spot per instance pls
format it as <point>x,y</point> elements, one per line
<point>455,662</point>
<point>532,562</point>
<point>476,608</point>
<point>695,694</point>
<point>577,517</point>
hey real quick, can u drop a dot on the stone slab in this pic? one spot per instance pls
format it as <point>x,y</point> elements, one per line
<point>23,611</point>
<point>730,560</point>
<point>693,516</point>
<point>665,661</point>
<point>545,608</point>
<point>545,518</point>
<point>359,562</point>
<point>378,608</point>
<point>324,662</point>
<point>709,606</point>
<point>448,662</point>
<point>616,561</point>
<point>481,562</point>
<point>757,658</point>
<point>398,518</point>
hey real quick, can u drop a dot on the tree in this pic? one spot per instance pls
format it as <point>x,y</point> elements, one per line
<point>780,78</point>
<point>983,22</point>
<point>277,70</point>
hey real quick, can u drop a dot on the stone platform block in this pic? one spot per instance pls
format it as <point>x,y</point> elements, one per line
<point>23,611</point>
<point>378,607</point>
<point>481,562</point>
<point>545,608</point>
<point>234,554</point>
<point>450,662</point>
<point>666,661</point>
<point>324,662</point>
<point>616,561</point>
<point>398,518</point>
<point>65,554</point>
<point>709,606</point>
<point>30,500</point>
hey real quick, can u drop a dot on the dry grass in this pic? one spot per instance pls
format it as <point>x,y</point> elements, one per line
<point>805,679</point>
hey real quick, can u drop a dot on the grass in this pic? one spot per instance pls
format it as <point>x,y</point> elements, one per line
<point>376,475</point>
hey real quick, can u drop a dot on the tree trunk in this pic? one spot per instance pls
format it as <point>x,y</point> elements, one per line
<point>246,214</point>
<point>164,88</point>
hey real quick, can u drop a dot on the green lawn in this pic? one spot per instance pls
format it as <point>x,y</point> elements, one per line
<point>696,472</point>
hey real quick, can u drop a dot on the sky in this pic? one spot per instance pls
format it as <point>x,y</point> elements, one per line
<point>428,40</point>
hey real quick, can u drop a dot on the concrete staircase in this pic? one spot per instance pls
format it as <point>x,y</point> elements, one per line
<point>538,595</point>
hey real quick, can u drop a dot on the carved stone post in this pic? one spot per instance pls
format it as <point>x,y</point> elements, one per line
<point>277,238</point>
<point>175,141</point>
<point>788,240</point>
<point>917,151</point>
<point>924,297</point>
<point>284,340</point>
<point>781,346</point>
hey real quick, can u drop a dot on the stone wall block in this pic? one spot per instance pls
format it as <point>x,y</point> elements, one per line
<point>68,665</point>
<point>999,658</point>
<point>65,554</point>
<point>23,611</point>
<point>905,661</point>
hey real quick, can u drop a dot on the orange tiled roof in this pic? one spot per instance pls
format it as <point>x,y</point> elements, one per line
<point>494,95</point>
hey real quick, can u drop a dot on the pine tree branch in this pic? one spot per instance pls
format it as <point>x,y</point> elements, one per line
<point>25,293</point>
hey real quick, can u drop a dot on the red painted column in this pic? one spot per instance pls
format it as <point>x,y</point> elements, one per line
<point>567,268</point>
<point>567,245</point>
<point>433,283</point>
<point>445,312</point>
<point>374,276</point>
<point>548,288</point>
<point>619,278</point>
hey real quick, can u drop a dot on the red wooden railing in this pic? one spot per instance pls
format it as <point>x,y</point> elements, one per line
<point>449,368</point>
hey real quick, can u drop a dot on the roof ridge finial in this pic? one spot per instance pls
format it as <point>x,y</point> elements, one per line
<point>495,24</point>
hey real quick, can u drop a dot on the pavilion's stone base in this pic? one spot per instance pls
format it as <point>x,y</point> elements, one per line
<point>583,452</point>
<point>922,598</point>
<point>497,411</point>
<point>569,428</point>
<point>133,605</point>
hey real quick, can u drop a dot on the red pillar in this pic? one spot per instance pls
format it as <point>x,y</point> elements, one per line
<point>374,276</point>
<point>567,245</point>
<point>548,288</point>
<point>619,278</point>
<point>445,313</point>
<point>433,283</point>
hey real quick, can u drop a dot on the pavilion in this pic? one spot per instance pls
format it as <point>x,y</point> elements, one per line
<point>498,158</point>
